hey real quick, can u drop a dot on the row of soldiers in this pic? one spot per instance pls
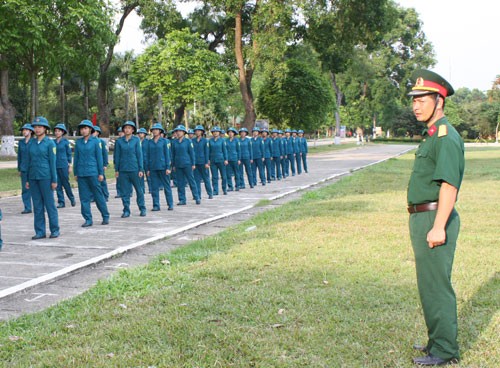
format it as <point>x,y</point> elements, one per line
<point>188,158</point>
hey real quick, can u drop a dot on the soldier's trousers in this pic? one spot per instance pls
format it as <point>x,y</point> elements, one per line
<point>201,172</point>
<point>436,292</point>
<point>159,178</point>
<point>284,166</point>
<point>184,174</point>
<point>129,179</point>
<point>63,183</point>
<point>267,165</point>
<point>43,200</point>
<point>298,162</point>
<point>233,169</point>
<point>104,187</point>
<point>304,161</point>
<point>90,188</point>
<point>216,168</point>
<point>291,161</point>
<point>25,193</point>
<point>245,164</point>
<point>276,168</point>
<point>258,165</point>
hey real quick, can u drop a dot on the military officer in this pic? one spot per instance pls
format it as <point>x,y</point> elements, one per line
<point>88,169</point>
<point>129,168</point>
<point>218,160</point>
<point>434,223</point>
<point>267,153</point>
<point>142,133</point>
<point>258,156</point>
<point>297,151</point>
<point>64,158</point>
<point>233,159</point>
<point>22,165</point>
<point>105,161</point>
<point>42,179</point>
<point>246,153</point>
<point>303,149</point>
<point>183,163</point>
<point>201,154</point>
<point>158,167</point>
<point>276,155</point>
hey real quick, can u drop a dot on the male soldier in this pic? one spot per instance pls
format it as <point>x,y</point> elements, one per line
<point>234,159</point>
<point>129,168</point>
<point>434,223</point>
<point>201,154</point>
<point>218,160</point>
<point>303,149</point>
<point>64,158</point>
<point>246,158</point>
<point>22,166</point>
<point>105,161</point>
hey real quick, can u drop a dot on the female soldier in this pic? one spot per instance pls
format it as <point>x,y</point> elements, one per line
<point>22,166</point>
<point>129,167</point>
<point>201,156</point>
<point>105,161</point>
<point>142,133</point>
<point>64,158</point>
<point>183,163</point>
<point>246,158</point>
<point>158,167</point>
<point>234,159</point>
<point>42,179</point>
<point>88,169</point>
<point>218,160</point>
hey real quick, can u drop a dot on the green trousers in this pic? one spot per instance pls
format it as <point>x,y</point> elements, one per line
<point>433,268</point>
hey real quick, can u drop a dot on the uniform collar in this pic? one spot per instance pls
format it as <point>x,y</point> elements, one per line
<point>434,127</point>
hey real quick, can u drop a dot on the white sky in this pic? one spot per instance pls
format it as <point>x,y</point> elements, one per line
<point>465,35</point>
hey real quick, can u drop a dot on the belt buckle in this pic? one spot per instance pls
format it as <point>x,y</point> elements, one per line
<point>415,208</point>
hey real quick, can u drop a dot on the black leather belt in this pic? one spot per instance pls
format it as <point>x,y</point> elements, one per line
<point>424,207</point>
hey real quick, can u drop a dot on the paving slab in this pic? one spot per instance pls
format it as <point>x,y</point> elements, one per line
<point>33,273</point>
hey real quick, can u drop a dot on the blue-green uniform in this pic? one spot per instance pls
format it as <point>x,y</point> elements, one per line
<point>268,147</point>
<point>105,163</point>
<point>233,167</point>
<point>284,159</point>
<point>303,151</point>
<point>87,166</point>
<point>290,156</point>
<point>22,167</point>
<point>64,157</point>
<point>41,174</point>
<point>218,154</point>
<point>258,157</point>
<point>158,162</point>
<point>145,150</point>
<point>201,154</point>
<point>298,154</point>
<point>246,152</point>
<point>439,158</point>
<point>276,162</point>
<point>129,163</point>
<point>183,161</point>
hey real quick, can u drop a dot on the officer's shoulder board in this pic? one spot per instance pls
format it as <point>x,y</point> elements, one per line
<point>442,131</point>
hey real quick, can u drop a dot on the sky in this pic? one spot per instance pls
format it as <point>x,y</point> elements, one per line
<point>466,38</point>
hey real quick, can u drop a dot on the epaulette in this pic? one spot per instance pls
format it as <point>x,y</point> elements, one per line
<point>443,131</point>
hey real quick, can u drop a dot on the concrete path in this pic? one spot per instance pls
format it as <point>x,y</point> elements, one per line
<point>27,266</point>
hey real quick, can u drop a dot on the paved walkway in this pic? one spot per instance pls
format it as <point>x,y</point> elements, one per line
<point>25,263</point>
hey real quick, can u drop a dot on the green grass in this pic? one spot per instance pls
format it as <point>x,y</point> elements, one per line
<point>324,281</point>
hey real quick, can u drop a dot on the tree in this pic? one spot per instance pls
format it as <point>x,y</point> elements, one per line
<point>299,96</point>
<point>181,69</point>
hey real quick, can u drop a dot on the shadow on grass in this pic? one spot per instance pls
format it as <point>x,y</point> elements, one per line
<point>476,314</point>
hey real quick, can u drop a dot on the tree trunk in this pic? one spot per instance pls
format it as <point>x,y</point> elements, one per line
<point>136,108</point>
<point>245,76</point>
<point>179,114</point>
<point>160,108</point>
<point>127,102</point>
<point>34,95</point>
<point>7,113</point>
<point>102,87</point>
<point>86,92</point>
<point>339,97</point>
<point>62,98</point>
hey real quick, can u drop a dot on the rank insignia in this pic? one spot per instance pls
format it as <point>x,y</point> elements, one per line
<point>443,131</point>
<point>432,130</point>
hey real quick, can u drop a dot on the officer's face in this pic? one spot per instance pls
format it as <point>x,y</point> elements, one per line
<point>423,106</point>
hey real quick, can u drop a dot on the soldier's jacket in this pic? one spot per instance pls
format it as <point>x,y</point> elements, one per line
<point>267,147</point>
<point>182,153</point>
<point>257,148</point>
<point>64,156</point>
<point>22,155</point>
<point>218,150</point>
<point>159,156</point>
<point>440,157</point>
<point>88,159</point>
<point>42,160</point>
<point>201,150</point>
<point>233,149</point>
<point>246,148</point>
<point>128,155</point>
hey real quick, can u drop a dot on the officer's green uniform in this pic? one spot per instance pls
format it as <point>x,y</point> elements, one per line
<point>439,158</point>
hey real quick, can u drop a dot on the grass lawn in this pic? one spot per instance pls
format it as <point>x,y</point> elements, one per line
<point>324,281</point>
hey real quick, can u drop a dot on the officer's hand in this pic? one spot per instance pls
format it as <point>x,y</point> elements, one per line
<point>141,174</point>
<point>53,186</point>
<point>251,161</point>
<point>117,174</point>
<point>207,166</point>
<point>193,167</point>
<point>167,172</point>
<point>27,186</point>
<point>225,163</point>
<point>100,178</point>
<point>239,162</point>
<point>436,237</point>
